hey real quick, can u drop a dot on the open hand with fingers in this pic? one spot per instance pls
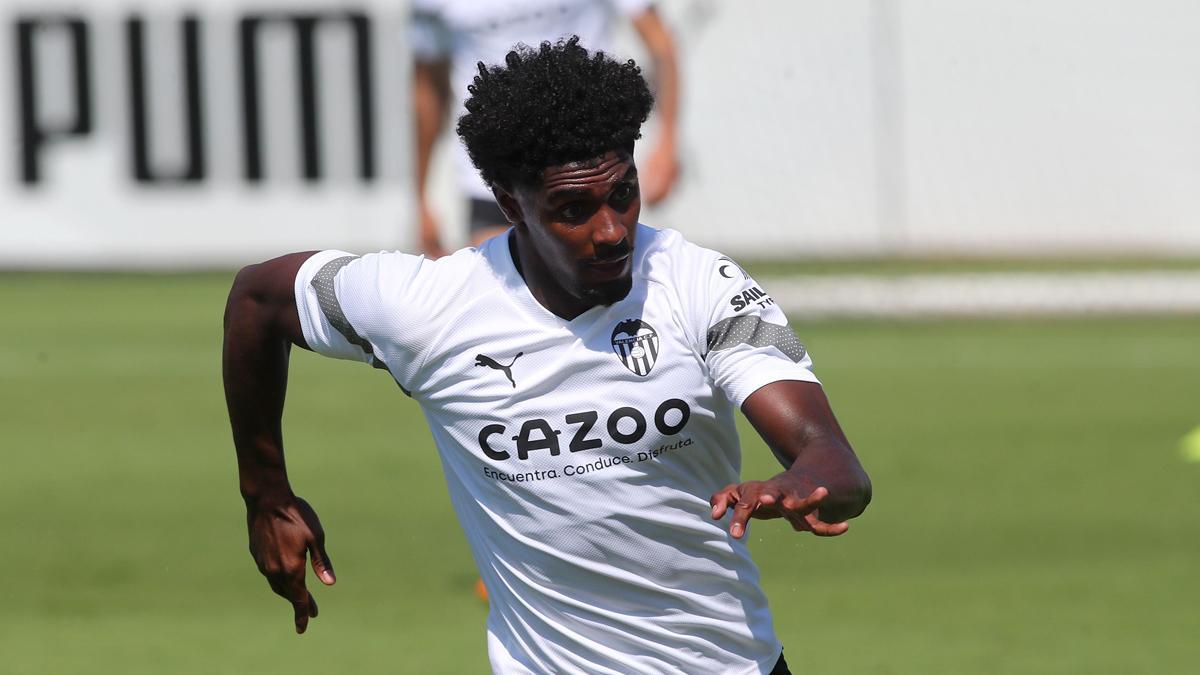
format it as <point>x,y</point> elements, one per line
<point>783,496</point>
<point>283,535</point>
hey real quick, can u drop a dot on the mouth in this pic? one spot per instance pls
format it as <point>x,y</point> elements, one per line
<point>609,268</point>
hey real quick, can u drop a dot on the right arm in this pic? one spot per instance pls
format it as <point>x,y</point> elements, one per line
<point>431,100</point>
<point>662,165</point>
<point>261,325</point>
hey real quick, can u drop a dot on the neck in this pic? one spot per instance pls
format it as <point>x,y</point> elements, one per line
<point>549,294</point>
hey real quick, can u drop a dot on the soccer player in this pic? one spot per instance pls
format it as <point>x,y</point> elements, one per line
<point>449,37</point>
<point>580,375</point>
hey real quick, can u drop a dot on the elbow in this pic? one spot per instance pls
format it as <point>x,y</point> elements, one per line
<point>857,488</point>
<point>862,493</point>
<point>262,299</point>
<point>241,292</point>
<point>849,499</point>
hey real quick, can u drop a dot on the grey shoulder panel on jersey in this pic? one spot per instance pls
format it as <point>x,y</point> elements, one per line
<point>327,299</point>
<point>753,331</point>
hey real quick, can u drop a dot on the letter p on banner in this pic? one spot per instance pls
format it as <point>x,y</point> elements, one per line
<point>35,131</point>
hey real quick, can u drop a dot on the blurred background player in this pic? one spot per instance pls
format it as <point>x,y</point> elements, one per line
<point>449,37</point>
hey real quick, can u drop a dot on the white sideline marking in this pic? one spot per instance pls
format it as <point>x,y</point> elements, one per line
<point>992,294</point>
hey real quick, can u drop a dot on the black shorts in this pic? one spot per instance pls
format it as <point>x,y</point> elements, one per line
<point>781,667</point>
<point>485,214</point>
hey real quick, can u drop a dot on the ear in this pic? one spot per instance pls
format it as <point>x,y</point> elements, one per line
<point>508,204</point>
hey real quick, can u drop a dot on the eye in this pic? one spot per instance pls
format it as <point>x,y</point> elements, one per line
<point>623,192</point>
<point>570,211</point>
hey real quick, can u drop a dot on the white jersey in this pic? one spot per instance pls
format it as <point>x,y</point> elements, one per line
<point>469,31</point>
<point>580,455</point>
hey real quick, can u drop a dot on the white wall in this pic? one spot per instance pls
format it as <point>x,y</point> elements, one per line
<point>1059,126</point>
<point>943,126</point>
<point>778,117</point>
<point>810,128</point>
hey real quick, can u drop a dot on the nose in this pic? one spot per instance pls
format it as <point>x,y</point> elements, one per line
<point>609,230</point>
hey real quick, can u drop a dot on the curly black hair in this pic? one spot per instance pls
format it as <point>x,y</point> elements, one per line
<point>548,106</point>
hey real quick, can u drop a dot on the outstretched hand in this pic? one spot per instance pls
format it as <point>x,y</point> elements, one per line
<point>657,178</point>
<point>281,537</point>
<point>783,496</point>
<point>430,233</point>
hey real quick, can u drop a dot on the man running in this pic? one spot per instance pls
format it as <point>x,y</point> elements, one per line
<point>594,461</point>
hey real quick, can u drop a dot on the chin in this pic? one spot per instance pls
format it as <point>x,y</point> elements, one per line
<point>609,292</point>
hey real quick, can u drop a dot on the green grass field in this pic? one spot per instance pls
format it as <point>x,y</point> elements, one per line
<point>1032,511</point>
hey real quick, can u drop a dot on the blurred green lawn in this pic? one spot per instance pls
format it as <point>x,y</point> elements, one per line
<point>1032,513</point>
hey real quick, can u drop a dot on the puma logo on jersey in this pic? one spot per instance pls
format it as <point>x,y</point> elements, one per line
<point>482,360</point>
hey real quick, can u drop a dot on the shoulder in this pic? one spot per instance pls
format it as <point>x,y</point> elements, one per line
<point>668,257</point>
<point>418,281</point>
<point>387,269</point>
<point>388,306</point>
<point>385,284</point>
<point>705,284</point>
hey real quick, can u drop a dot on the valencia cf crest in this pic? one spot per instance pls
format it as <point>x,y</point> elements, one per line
<point>636,344</point>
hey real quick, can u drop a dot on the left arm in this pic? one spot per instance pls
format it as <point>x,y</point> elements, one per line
<point>823,484</point>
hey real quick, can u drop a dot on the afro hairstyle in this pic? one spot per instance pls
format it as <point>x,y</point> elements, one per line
<point>550,106</point>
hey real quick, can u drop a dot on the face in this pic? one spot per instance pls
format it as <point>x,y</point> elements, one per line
<point>579,225</point>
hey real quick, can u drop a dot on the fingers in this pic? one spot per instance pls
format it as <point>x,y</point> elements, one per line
<point>747,499</point>
<point>305,610</point>
<point>741,515</point>
<point>289,585</point>
<point>277,584</point>
<point>750,497</point>
<point>805,504</point>
<point>824,529</point>
<point>721,501</point>
<point>302,603</point>
<point>731,495</point>
<point>811,522</point>
<point>658,187</point>
<point>321,564</point>
<point>280,540</point>
<point>301,609</point>
<point>764,499</point>
<point>660,174</point>
<point>655,193</point>
<point>804,517</point>
<point>291,588</point>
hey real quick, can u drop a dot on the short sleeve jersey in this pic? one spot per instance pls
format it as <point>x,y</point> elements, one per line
<point>466,32</point>
<point>580,454</point>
